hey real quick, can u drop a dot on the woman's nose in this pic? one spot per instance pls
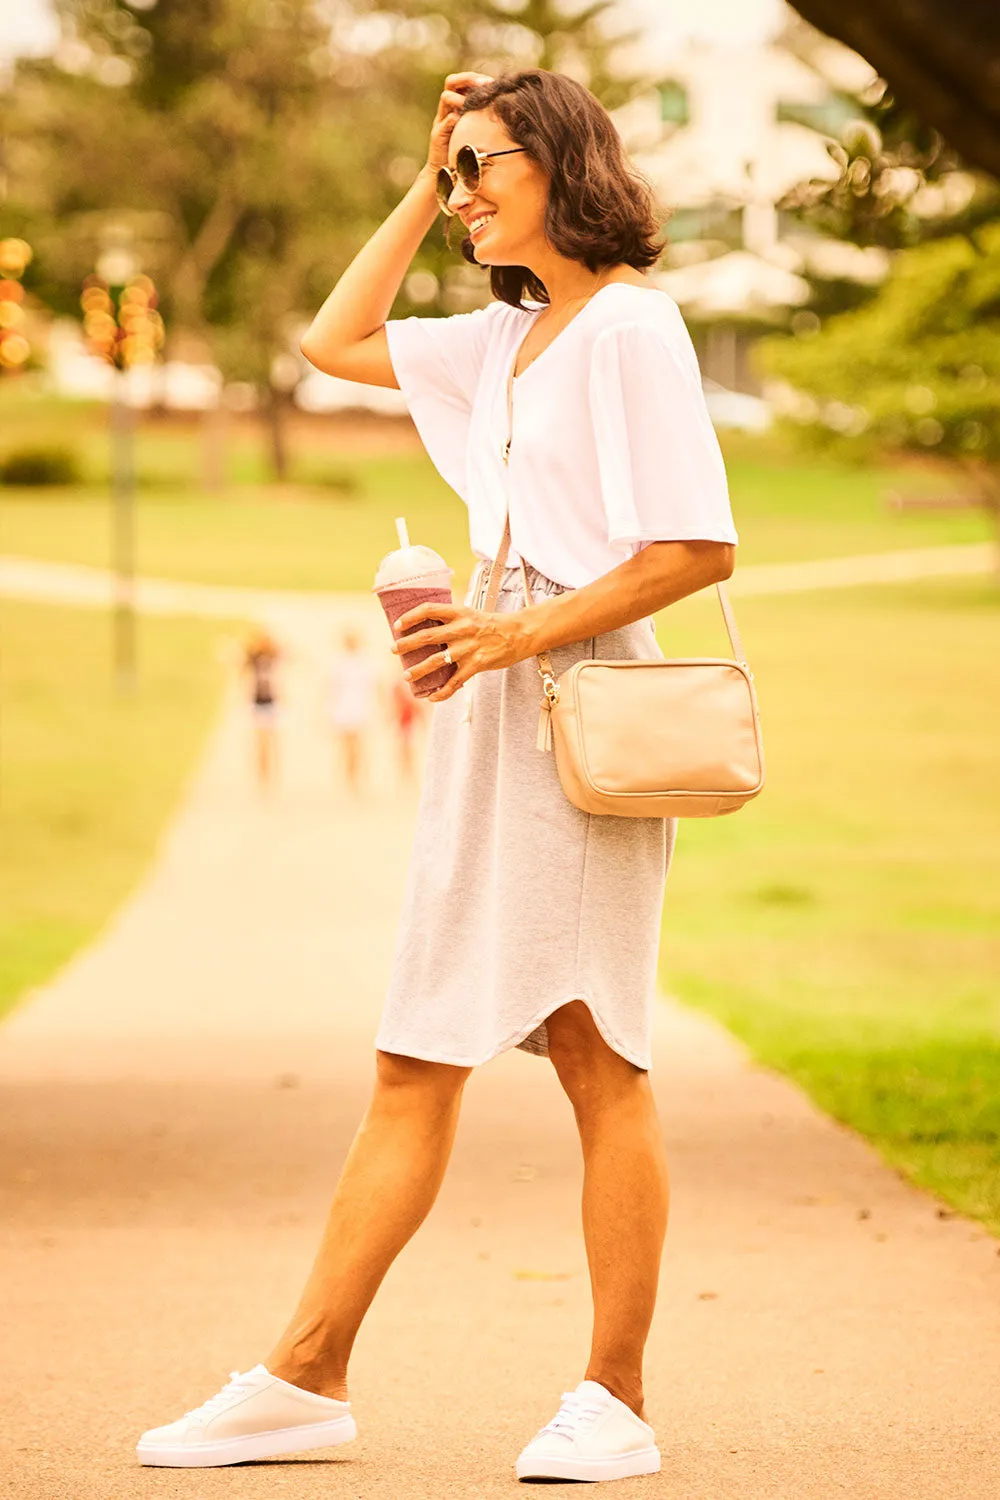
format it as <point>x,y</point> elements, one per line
<point>458,198</point>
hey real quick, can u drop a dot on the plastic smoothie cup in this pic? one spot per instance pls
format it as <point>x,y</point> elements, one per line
<point>410,576</point>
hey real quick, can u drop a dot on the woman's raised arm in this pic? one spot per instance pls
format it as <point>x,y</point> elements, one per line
<point>347,335</point>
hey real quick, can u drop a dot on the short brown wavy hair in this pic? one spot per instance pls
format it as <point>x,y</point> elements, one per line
<point>601,210</point>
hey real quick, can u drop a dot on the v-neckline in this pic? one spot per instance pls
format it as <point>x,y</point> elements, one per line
<point>565,328</point>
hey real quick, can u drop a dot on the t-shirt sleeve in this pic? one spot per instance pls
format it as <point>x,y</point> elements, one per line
<point>661,470</point>
<point>437,364</point>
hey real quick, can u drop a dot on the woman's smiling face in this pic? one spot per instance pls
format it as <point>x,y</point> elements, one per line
<point>505,216</point>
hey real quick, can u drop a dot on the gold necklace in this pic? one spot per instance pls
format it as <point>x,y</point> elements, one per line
<point>573,302</point>
<point>585,297</point>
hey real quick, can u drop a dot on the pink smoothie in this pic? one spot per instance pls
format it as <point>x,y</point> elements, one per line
<point>396,602</point>
<point>414,575</point>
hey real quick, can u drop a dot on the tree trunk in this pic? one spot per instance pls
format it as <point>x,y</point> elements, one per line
<point>277,412</point>
<point>214,427</point>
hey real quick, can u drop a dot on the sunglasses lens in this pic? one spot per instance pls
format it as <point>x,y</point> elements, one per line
<point>467,166</point>
<point>444,188</point>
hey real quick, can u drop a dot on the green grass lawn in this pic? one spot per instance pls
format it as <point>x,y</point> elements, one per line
<point>303,539</point>
<point>87,780</point>
<point>846,925</point>
<point>329,529</point>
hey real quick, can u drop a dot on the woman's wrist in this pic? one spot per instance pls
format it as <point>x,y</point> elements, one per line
<point>529,625</point>
<point>422,195</point>
<point>426,179</point>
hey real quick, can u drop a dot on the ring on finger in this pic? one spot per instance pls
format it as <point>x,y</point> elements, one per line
<point>448,656</point>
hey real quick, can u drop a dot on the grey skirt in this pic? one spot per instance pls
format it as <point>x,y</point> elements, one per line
<point>516,902</point>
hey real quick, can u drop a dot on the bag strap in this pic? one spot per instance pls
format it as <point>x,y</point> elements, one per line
<point>500,561</point>
<point>732,629</point>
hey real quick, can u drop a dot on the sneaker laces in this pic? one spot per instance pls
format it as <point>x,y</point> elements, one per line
<point>579,1410</point>
<point>238,1385</point>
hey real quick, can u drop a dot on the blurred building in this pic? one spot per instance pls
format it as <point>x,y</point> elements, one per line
<point>177,385</point>
<point>326,393</point>
<point>723,139</point>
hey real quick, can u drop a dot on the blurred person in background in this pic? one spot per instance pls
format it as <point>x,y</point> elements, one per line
<point>405,714</point>
<point>526,922</point>
<point>260,663</point>
<point>351,686</point>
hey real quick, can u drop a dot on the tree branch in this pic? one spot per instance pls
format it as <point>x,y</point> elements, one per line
<point>187,284</point>
<point>941,58</point>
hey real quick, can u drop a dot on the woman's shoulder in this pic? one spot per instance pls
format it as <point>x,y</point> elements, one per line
<point>626,305</point>
<point>477,321</point>
<point>495,312</point>
<point>503,315</point>
<point>495,324</point>
<point>639,330</point>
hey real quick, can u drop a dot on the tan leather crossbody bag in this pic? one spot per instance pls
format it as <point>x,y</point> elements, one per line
<point>647,739</point>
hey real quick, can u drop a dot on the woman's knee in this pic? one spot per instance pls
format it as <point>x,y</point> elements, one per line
<point>586,1066</point>
<point>401,1077</point>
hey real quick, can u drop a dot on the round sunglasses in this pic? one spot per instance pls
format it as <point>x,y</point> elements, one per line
<point>468,171</point>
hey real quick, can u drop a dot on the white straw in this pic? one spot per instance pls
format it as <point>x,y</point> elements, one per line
<point>401,531</point>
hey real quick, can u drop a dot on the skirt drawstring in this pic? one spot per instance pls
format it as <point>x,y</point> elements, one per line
<point>476,596</point>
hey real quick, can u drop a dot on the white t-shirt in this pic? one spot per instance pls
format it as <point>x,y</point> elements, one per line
<point>352,690</point>
<point>612,446</point>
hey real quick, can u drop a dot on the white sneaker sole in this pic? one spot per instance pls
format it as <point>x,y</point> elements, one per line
<point>244,1449</point>
<point>615,1466</point>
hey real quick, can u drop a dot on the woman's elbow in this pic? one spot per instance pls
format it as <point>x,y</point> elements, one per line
<point>308,348</point>
<point>711,562</point>
<point>321,356</point>
<point>725,561</point>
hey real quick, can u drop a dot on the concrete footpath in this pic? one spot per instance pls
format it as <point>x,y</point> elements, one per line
<point>72,583</point>
<point>177,1104</point>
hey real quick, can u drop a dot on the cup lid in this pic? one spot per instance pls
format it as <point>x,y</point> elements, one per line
<point>410,565</point>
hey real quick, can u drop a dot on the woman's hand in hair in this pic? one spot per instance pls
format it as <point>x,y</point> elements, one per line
<point>478,641</point>
<point>456,86</point>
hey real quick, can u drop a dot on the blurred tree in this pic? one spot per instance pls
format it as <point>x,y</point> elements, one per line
<point>250,146</point>
<point>915,370</point>
<point>939,58</point>
<point>899,182</point>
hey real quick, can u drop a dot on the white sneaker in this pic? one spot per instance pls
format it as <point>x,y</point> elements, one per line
<point>255,1416</point>
<point>592,1436</point>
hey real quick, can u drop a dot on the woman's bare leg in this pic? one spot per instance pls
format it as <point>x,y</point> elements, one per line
<point>625,1194</point>
<point>352,759</point>
<point>389,1182</point>
<point>405,743</point>
<point>265,755</point>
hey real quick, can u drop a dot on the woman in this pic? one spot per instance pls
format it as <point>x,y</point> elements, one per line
<point>526,923</point>
<point>405,713</point>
